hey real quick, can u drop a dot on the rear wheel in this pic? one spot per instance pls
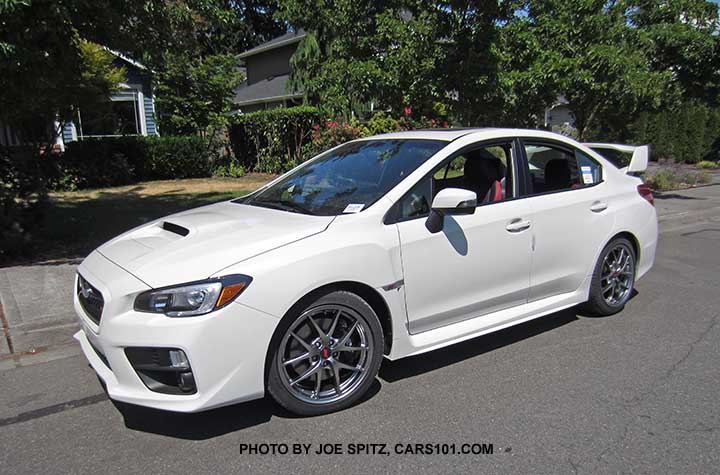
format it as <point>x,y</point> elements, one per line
<point>613,279</point>
<point>327,356</point>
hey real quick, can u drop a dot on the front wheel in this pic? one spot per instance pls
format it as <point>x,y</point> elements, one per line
<point>613,279</point>
<point>327,356</point>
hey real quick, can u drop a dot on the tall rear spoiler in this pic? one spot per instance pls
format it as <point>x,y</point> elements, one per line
<point>640,154</point>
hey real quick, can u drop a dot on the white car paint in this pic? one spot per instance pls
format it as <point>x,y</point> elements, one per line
<point>505,264</point>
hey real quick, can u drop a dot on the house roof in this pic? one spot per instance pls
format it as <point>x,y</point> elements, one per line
<point>127,59</point>
<point>286,39</point>
<point>268,90</point>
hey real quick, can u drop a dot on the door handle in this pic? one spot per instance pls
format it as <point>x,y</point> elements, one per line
<point>598,207</point>
<point>517,225</point>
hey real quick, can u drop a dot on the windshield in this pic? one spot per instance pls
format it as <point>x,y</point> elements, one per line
<point>347,179</point>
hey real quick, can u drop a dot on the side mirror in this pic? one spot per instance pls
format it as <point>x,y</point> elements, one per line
<point>450,202</point>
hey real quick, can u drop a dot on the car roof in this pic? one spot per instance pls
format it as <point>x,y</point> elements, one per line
<point>451,134</point>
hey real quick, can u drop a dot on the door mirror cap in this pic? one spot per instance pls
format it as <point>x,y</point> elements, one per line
<point>450,202</point>
<point>454,201</point>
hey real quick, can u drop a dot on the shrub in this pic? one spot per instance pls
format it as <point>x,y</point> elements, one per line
<point>708,165</point>
<point>22,199</point>
<point>98,163</point>
<point>688,133</point>
<point>331,134</point>
<point>668,179</point>
<point>171,158</point>
<point>272,140</point>
<point>662,180</point>
<point>230,170</point>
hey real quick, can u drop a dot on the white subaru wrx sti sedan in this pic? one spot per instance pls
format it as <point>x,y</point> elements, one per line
<point>387,246</point>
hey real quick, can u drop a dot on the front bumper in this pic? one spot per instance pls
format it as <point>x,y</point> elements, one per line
<point>226,348</point>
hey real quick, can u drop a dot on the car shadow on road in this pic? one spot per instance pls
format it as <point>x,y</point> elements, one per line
<point>392,371</point>
<point>213,423</point>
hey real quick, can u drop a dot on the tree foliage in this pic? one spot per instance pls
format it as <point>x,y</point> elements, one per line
<point>504,62</point>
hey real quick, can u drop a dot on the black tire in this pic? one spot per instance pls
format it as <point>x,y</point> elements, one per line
<point>321,392</point>
<point>599,304</point>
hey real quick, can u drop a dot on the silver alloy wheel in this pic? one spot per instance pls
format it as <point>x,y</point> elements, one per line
<point>325,354</point>
<point>618,272</point>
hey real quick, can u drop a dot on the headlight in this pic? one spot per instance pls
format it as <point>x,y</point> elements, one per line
<point>194,298</point>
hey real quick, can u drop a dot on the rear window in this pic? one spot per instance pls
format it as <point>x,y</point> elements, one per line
<point>616,157</point>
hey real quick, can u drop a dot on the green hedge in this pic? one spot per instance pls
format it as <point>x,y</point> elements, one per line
<point>99,163</point>
<point>272,141</point>
<point>22,199</point>
<point>689,133</point>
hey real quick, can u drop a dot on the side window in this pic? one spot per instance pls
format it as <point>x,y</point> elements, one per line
<point>551,168</point>
<point>484,170</point>
<point>590,170</point>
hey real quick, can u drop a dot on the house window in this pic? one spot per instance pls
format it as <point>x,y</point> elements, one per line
<point>121,115</point>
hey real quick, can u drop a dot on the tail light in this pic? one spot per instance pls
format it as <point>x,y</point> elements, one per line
<point>646,193</point>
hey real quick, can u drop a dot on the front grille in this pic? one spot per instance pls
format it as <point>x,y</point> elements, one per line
<point>91,300</point>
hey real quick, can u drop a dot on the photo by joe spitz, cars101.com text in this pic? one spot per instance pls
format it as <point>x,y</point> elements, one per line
<point>383,247</point>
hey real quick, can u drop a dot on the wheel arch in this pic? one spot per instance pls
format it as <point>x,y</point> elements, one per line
<point>364,291</point>
<point>630,237</point>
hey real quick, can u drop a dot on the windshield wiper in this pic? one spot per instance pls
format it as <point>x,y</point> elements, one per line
<point>283,205</point>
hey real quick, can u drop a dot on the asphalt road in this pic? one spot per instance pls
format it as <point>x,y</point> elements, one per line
<point>633,393</point>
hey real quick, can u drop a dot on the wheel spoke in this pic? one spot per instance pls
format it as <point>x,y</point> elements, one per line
<point>352,348</point>
<point>292,361</point>
<point>305,375</point>
<point>341,365</point>
<point>302,342</point>
<point>318,383</point>
<point>334,323</point>
<point>336,379</point>
<point>347,335</point>
<point>321,333</point>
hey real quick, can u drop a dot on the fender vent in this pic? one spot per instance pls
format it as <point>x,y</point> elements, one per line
<point>174,228</point>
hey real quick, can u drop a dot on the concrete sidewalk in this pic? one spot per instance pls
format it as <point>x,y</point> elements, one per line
<point>37,311</point>
<point>37,299</point>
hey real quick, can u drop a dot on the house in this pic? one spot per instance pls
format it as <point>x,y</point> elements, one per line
<point>267,67</point>
<point>130,111</point>
<point>558,115</point>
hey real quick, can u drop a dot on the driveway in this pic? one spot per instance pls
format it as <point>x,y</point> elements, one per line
<point>635,392</point>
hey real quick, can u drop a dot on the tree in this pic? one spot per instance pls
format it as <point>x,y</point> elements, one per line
<point>48,68</point>
<point>683,38</point>
<point>194,95</point>
<point>358,53</point>
<point>587,51</point>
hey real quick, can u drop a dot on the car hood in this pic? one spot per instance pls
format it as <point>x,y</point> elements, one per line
<point>196,244</point>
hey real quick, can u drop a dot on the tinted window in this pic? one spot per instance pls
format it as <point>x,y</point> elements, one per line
<point>348,179</point>
<point>483,170</point>
<point>555,168</point>
<point>590,170</point>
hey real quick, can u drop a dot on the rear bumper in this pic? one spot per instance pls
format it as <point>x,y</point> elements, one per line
<point>226,348</point>
<point>648,240</point>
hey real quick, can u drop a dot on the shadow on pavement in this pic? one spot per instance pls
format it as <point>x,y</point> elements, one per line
<point>392,371</point>
<point>675,196</point>
<point>213,423</point>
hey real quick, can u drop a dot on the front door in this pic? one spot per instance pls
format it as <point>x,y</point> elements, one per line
<point>478,263</point>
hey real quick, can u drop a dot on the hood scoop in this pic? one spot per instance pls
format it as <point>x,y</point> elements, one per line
<point>175,228</point>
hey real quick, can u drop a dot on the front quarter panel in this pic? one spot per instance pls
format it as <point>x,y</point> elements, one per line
<point>356,248</point>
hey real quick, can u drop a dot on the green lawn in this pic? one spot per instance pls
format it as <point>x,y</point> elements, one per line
<point>78,222</point>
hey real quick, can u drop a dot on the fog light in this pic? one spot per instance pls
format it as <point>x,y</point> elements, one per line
<point>163,370</point>
<point>178,360</point>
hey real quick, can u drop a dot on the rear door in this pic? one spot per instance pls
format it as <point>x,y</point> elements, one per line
<point>570,215</point>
